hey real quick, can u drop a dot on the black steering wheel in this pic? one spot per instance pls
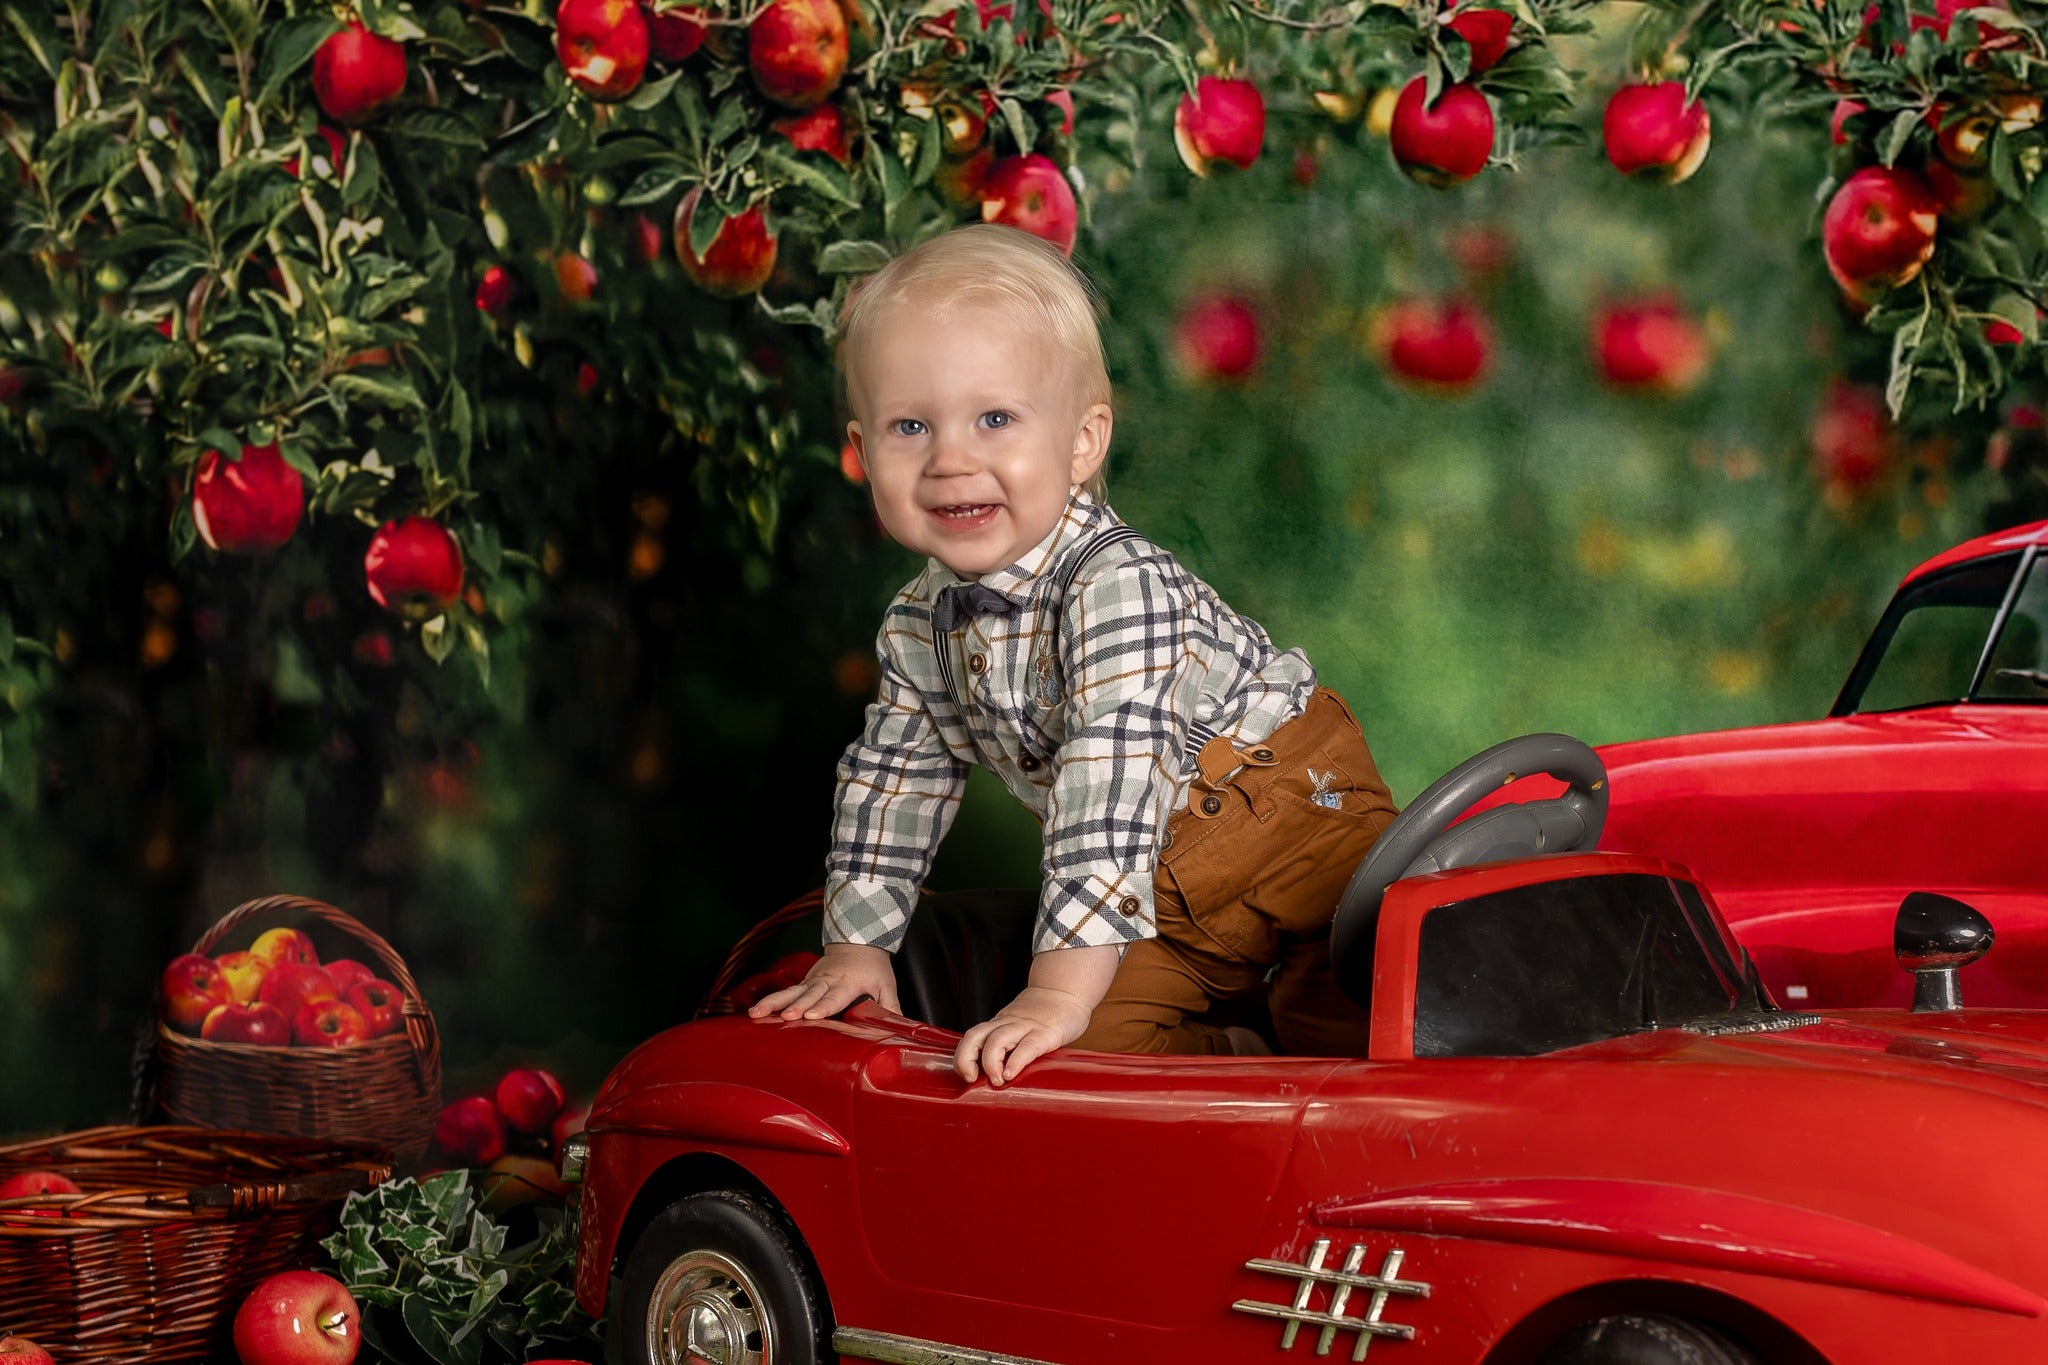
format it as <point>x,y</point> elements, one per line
<point>1423,839</point>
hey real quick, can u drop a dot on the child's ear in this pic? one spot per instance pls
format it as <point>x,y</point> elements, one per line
<point>860,449</point>
<point>1091,443</point>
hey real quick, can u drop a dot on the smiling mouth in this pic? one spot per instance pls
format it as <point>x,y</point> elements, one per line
<point>964,511</point>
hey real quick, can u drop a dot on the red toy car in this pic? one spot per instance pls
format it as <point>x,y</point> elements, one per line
<point>1930,773</point>
<point>1581,1134</point>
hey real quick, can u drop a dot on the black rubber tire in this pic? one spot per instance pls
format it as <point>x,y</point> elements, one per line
<point>755,1235</point>
<point>1645,1339</point>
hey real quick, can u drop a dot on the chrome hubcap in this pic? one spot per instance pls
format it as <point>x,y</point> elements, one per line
<point>707,1310</point>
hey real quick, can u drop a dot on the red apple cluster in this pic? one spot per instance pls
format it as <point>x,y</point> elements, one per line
<point>527,1112</point>
<point>277,993</point>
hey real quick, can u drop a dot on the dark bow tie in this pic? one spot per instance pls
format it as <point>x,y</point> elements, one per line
<point>963,600</point>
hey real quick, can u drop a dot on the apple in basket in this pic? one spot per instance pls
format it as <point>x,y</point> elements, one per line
<point>191,986</point>
<point>29,1184</point>
<point>347,972</point>
<point>292,987</point>
<point>247,1021</point>
<point>22,1351</point>
<point>328,1023</point>
<point>244,972</point>
<point>381,1004</point>
<point>285,945</point>
<point>298,1317</point>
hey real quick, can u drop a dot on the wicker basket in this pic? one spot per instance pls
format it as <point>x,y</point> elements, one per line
<point>384,1091</point>
<point>174,1227</point>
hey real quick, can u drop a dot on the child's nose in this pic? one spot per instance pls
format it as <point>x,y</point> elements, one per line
<point>950,455</point>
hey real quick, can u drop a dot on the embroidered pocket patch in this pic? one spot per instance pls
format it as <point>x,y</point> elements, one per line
<point>1046,690</point>
<point>1322,795</point>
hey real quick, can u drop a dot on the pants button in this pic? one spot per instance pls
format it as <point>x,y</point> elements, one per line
<point>1211,804</point>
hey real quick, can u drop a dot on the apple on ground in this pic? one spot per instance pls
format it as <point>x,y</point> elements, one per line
<point>291,987</point>
<point>247,506</point>
<point>1445,143</point>
<point>1217,337</point>
<point>1032,193</point>
<point>22,1351</point>
<point>381,1004</point>
<point>470,1131</point>
<point>529,1098</point>
<point>191,985</point>
<point>329,1023</point>
<point>796,50</point>
<point>603,46</point>
<point>356,73</point>
<point>1878,230</point>
<point>414,568</point>
<point>1652,130</point>
<point>255,1022</point>
<point>274,946</point>
<point>1222,120</point>
<point>298,1317</point>
<point>35,1184</point>
<point>346,972</point>
<point>740,258</point>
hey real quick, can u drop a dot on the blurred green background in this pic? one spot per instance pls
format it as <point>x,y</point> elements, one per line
<point>564,870</point>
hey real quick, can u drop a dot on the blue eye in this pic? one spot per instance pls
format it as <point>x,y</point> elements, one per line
<point>907,426</point>
<point>997,420</point>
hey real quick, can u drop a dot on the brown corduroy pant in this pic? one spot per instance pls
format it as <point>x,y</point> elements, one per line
<point>1249,876</point>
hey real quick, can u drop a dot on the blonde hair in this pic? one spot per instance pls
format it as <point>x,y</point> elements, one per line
<point>1003,268</point>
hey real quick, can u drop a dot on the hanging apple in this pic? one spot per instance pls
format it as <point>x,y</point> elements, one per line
<point>1652,130</point>
<point>1217,338</point>
<point>674,35</point>
<point>1852,438</point>
<point>1222,120</point>
<point>357,72</point>
<point>1878,230</point>
<point>1650,344</point>
<point>1445,143</point>
<point>603,46</point>
<point>248,506</point>
<point>1031,193</point>
<point>414,568</point>
<point>1485,32</point>
<point>495,292</point>
<point>740,258</point>
<point>822,129</point>
<point>796,51</point>
<point>1441,344</point>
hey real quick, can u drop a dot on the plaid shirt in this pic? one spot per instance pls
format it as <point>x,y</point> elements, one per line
<point>1091,713</point>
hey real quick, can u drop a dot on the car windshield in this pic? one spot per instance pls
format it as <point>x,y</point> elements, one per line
<point>1977,632</point>
<point>1560,963</point>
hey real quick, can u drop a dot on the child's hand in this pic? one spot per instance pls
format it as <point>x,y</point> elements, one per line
<point>1036,1022</point>
<point>845,973</point>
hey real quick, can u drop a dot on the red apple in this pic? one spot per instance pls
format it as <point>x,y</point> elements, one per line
<point>603,46</point>
<point>191,985</point>
<point>1878,230</point>
<point>796,50</point>
<point>470,1131</point>
<point>1441,344</point>
<point>740,258</point>
<point>1652,131</point>
<point>1999,332</point>
<point>255,1022</point>
<point>33,1184</point>
<point>1486,32</point>
<point>1959,196</point>
<point>22,1351</point>
<point>291,987</point>
<point>1222,120</point>
<point>1650,344</point>
<point>243,972</point>
<point>414,568</point>
<point>822,129</point>
<point>1217,337</point>
<point>571,1121</point>
<point>337,154</point>
<point>274,946</point>
<point>381,1004</point>
<point>1852,437</point>
<point>247,506</point>
<point>1446,143</point>
<point>1838,119</point>
<point>298,1317</point>
<point>346,972</point>
<point>960,182</point>
<point>495,293</point>
<point>1031,193</point>
<point>357,72</point>
<point>676,34</point>
<point>529,1099</point>
<point>329,1023</point>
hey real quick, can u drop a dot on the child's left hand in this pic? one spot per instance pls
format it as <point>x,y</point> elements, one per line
<point>1037,1021</point>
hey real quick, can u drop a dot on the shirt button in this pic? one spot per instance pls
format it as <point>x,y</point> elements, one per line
<point>1211,804</point>
<point>977,663</point>
<point>1029,763</point>
<point>1128,906</point>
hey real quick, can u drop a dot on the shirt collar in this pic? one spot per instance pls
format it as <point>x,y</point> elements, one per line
<point>1082,517</point>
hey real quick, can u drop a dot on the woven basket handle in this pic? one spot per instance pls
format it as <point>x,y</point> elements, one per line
<point>419,1024</point>
<point>256,1198</point>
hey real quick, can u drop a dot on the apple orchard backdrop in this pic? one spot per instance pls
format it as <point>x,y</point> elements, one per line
<point>420,462</point>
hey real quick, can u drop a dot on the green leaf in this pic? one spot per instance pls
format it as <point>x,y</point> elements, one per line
<point>432,1334</point>
<point>651,93</point>
<point>654,184</point>
<point>386,391</point>
<point>290,46</point>
<point>813,171</point>
<point>436,639</point>
<point>706,221</point>
<point>1896,134</point>
<point>435,125</point>
<point>6,639</point>
<point>852,257</point>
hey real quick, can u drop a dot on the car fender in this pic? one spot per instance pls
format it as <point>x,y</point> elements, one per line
<point>720,1114</point>
<point>1688,1226</point>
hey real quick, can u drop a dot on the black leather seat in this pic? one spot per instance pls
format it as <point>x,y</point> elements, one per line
<point>965,955</point>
